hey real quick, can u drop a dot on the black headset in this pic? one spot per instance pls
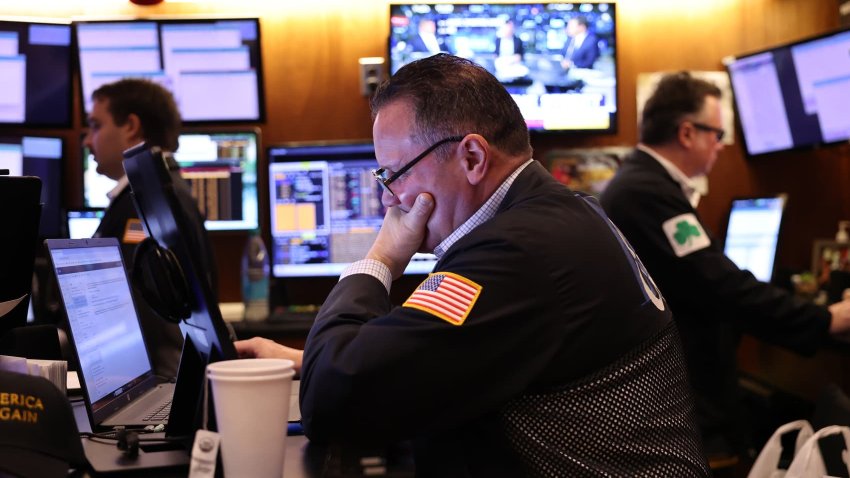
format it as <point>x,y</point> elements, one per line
<point>129,441</point>
<point>160,279</point>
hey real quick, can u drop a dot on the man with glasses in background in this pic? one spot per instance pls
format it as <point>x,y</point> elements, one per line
<point>652,200</point>
<point>537,347</point>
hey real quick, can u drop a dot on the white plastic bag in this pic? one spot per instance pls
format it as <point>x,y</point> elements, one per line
<point>808,462</point>
<point>766,465</point>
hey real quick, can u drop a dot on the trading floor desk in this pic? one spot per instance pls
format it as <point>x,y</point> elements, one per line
<point>292,333</point>
<point>303,459</point>
<point>804,377</point>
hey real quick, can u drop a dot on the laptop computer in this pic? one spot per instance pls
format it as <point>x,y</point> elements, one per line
<point>115,371</point>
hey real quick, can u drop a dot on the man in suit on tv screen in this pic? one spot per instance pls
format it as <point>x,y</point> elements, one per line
<point>582,48</point>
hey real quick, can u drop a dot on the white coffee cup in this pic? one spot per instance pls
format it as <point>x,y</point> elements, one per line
<point>251,401</point>
<point>246,367</point>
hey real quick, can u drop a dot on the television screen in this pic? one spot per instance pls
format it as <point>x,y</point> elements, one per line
<point>558,60</point>
<point>752,234</point>
<point>196,60</point>
<point>221,168</point>
<point>325,208</point>
<point>35,73</point>
<point>793,96</point>
<point>40,156</point>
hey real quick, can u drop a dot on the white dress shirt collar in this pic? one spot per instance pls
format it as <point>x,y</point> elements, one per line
<point>431,42</point>
<point>578,40</point>
<point>122,183</point>
<point>691,188</point>
<point>485,212</point>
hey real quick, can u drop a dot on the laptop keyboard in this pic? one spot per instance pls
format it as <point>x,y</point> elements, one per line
<point>160,414</point>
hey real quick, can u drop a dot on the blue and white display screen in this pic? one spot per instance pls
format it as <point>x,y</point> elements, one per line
<point>752,234</point>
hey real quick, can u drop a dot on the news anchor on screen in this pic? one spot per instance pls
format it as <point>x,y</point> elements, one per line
<point>425,40</point>
<point>582,47</point>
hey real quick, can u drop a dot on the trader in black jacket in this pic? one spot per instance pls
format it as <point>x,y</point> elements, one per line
<point>538,346</point>
<point>652,200</point>
<point>124,114</point>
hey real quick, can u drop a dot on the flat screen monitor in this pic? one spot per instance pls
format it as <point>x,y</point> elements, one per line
<point>220,166</point>
<point>35,73</point>
<point>95,185</point>
<point>153,182</point>
<point>40,156</point>
<point>83,223</point>
<point>752,234</point>
<point>325,208</point>
<point>561,81</point>
<point>197,60</point>
<point>793,96</point>
<point>19,209</point>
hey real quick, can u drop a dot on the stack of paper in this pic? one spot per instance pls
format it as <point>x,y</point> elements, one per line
<point>54,370</point>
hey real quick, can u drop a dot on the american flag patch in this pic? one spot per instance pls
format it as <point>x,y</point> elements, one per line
<point>134,233</point>
<point>446,295</point>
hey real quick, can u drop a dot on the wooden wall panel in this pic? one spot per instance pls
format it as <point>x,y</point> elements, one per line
<point>310,52</point>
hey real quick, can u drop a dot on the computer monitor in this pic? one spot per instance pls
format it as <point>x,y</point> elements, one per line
<point>220,166</point>
<point>40,156</point>
<point>752,234</point>
<point>559,85</point>
<point>196,59</point>
<point>154,180</point>
<point>83,223</point>
<point>95,185</point>
<point>35,73</point>
<point>19,210</point>
<point>325,208</point>
<point>793,96</point>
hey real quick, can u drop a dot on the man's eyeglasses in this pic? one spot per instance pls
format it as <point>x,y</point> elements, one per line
<point>704,127</point>
<point>381,174</point>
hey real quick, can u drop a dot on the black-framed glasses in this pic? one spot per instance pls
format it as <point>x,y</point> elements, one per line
<point>719,132</point>
<point>381,173</point>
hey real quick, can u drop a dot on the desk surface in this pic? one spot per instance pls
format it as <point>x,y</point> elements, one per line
<point>292,333</point>
<point>265,328</point>
<point>805,377</point>
<point>302,460</point>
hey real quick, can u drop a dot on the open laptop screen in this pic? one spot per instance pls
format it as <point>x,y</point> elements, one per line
<point>103,321</point>
<point>752,234</point>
